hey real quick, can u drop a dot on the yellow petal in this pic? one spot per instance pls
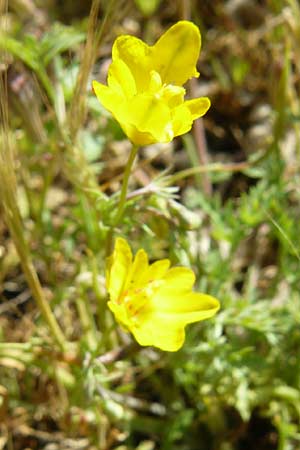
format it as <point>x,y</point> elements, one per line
<point>161,333</point>
<point>178,279</point>
<point>184,114</point>
<point>120,313</point>
<point>155,83</point>
<point>135,54</point>
<point>150,115</point>
<point>139,267</point>
<point>198,106</point>
<point>176,53</point>
<point>165,329</point>
<point>113,101</point>
<point>137,137</point>
<point>126,112</point>
<point>121,79</point>
<point>182,120</point>
<point>118,266</point>
<point>142,273</point>
<point>186,308</point>
<point>173,95</point>
<point>157,270</point>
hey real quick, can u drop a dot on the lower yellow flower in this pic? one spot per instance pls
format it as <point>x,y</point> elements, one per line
<point>153,301</point>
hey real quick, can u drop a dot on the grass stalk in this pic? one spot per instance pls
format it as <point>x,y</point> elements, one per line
<point>87,321</point>
<point>78,106</point>
<point>198,127</point>
<point>214,167</point>
<point>8,197</point>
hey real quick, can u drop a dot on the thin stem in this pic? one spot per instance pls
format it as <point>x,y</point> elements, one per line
<point>123,195</point>
<point>16,229</point>
<point>122,201</point>
<point>200,140</point>
<point>215,167</point>
<point>77,111</point>
<point>87,321</point>
<point>8,198</point>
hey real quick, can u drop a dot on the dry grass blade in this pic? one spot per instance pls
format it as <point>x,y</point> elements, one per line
<point>8,198</point>
<point>3,6</point>
<point>94,37</point>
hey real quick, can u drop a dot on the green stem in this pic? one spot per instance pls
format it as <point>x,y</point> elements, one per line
<point>8,199</point>
<point>87,321</point>
<point>16,228</point>
<point>123,195</point>
<point>122,201</point>
<point>33,280</point>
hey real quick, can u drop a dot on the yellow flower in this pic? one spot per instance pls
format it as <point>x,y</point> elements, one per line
<point>145,92</point>
<point>153,301</point>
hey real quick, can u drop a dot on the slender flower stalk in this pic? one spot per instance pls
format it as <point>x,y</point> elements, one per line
<point>122,200</point>
<point>145,92</point>
<point>126,176</point>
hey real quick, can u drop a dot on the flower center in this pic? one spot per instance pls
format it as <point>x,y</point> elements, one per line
<point>138,300</point>
<point>171,94</point>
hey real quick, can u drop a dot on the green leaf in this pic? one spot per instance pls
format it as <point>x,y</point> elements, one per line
<point>59,39</point>
<point>28,52</point>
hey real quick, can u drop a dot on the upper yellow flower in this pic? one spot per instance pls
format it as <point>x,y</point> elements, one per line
<point>153,301</point>
<point>145,92</point>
